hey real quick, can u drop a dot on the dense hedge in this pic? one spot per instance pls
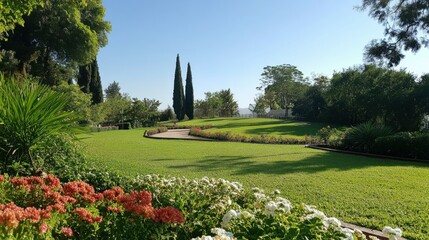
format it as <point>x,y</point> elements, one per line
<point>404,144</point>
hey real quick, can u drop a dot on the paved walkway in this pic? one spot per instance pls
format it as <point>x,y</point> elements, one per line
<point>178,134</point>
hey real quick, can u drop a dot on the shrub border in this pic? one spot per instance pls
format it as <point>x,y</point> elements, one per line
<point>327,148</point>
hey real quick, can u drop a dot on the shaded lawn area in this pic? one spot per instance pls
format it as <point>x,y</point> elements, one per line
<point>259,126</point>
<point>360,190</point>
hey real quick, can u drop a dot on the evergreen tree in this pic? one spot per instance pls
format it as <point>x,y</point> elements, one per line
<point>113,91</point>
<point>178,95</point>
<point>95,84</point>
<point>189,97</point>
<point>84,78</point>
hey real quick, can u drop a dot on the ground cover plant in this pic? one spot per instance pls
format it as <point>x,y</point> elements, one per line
<point>258,126</point>
<point>365,191</point>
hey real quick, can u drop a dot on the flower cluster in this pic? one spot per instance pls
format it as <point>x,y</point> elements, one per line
<point>44,205</point>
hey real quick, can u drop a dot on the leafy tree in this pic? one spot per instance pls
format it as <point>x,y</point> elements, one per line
<point>189,97</point>
<point>260,105</point>
<point>167,114</point>
<point>61,33</point>
<point>406,27</point>
<point>113,91</point>
<point>312,105</point>
<point>79,102</point>
<point>372,94</point>
<point>228,106</point>
<point>217,104</point>
<point>178,95</point>
<point>285,83</point>
<point>12,12</point>
<point>144,112</point>
<point>30,115</point>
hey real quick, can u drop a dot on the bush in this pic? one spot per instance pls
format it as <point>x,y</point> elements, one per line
<point>31,114</point>
<point>104,128</point>
<point>404,144</point>
<point>362,137</point>
<point>124,126</point>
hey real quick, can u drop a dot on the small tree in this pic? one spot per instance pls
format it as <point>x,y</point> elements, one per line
<point>178,96</point>
<point>189,97</point>
<point>95,84</point>
<point>113,90</point>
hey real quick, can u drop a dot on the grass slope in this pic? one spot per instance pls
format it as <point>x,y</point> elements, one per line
<point>259,126</point>
<point>361,190</point>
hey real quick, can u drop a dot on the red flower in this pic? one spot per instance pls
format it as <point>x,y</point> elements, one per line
<point>1,178</point>
<point>168,215</point>
<point>68,232</point>
<point>87,216</point>
<point>114,209</point>
<point>43,228</point>
<point>113,194</point>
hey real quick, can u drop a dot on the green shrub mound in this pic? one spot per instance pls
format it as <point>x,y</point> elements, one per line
<point>362,137</point>
<point>404,144</point>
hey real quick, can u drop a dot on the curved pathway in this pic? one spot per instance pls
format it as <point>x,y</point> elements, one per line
<point>178,134</point>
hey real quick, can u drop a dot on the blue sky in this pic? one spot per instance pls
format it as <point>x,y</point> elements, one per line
<point>228,42</point>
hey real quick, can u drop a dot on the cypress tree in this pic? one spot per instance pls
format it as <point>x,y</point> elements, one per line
<point>84,78</point>
<point>178,96</point>
<point>95,84</point>
<point>189,98</point>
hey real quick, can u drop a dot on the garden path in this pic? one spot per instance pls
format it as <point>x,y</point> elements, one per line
<point>178,134</point>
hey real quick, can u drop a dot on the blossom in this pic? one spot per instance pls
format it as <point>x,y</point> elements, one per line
<point>114,209</point>
<point>168,215</point>
<point>87,216</point>
<point>1,178</point>
<point>43,228</point>
<point>270,208</point>
<point>66,231</point>
<point>393,233</point>
<point>228,216</point>
<point>332,222</point>
<point>348,234</point>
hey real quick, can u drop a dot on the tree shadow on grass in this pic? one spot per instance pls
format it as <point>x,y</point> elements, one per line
<point>325,161</point>
<point>298,130</point>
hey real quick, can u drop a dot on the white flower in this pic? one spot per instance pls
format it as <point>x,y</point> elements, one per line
<point>203,238</point>
<point>276,191</point>
<point>227,217</point>
<point>332,222</point>
<point>222,233</point>
<point>283,204</point>
<point>246,214</point>
<point>348,233</point>
<point>270,208</point>
<point>315,213</point>
<point>392,233</point>
<point>260,196</point>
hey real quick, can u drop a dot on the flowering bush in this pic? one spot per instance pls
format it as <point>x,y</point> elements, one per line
<point>42,208</point>
<point>228,136</point>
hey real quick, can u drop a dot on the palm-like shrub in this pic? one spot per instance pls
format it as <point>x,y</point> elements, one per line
<point>362,137</point>
<point>29,115</point>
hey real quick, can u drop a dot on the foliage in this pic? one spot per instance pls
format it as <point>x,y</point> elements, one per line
<point>104,128</point>
<point>312,105</point>
<point>362,137</point>
<point>189,94</point>
<point>217,104</point>
<point>12,12</point>
<point>178,95</point>
<point>42,208</point>
<point>144,112</point>
<point>404,144</point>
<point>361,190</point>
<point>151,132</point>
<point>406,27</point>
<point>79,102</point>
<point>31,114</point>
<point>368,93</point>
<point>260,105</point>
<point>90,82</point>
<point>267,139</point>
<point>285,83</point>
<point>167,114</point>
<point>113,91</point>
<point>68,33</point>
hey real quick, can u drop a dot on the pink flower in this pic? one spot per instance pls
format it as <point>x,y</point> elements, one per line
<point>43,228</point>
<point>66,231</point>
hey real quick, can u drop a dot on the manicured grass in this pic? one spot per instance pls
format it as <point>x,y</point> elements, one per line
<point>259,126</point>
<point>361,190</point>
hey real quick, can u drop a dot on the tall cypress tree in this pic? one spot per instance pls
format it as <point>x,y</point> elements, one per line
<point>84,77</point>
<point>95,84</point>
<point>178,96</point>
<point>189,98</point>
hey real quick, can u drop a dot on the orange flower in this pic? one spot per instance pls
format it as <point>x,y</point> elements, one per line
<point>43,228</point>
<point>66,231</point>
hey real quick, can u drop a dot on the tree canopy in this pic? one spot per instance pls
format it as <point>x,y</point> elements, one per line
<point>406,27</point>
<point>178,95</point>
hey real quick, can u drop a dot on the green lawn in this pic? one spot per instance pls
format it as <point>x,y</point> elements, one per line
<point>259,126</point>
<point>361,190</point>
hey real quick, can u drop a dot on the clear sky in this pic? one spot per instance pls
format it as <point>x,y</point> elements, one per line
<point>228,42</point>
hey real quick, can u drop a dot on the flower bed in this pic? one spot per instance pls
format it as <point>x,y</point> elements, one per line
<point>42,208</point>
<point>227,136</point>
